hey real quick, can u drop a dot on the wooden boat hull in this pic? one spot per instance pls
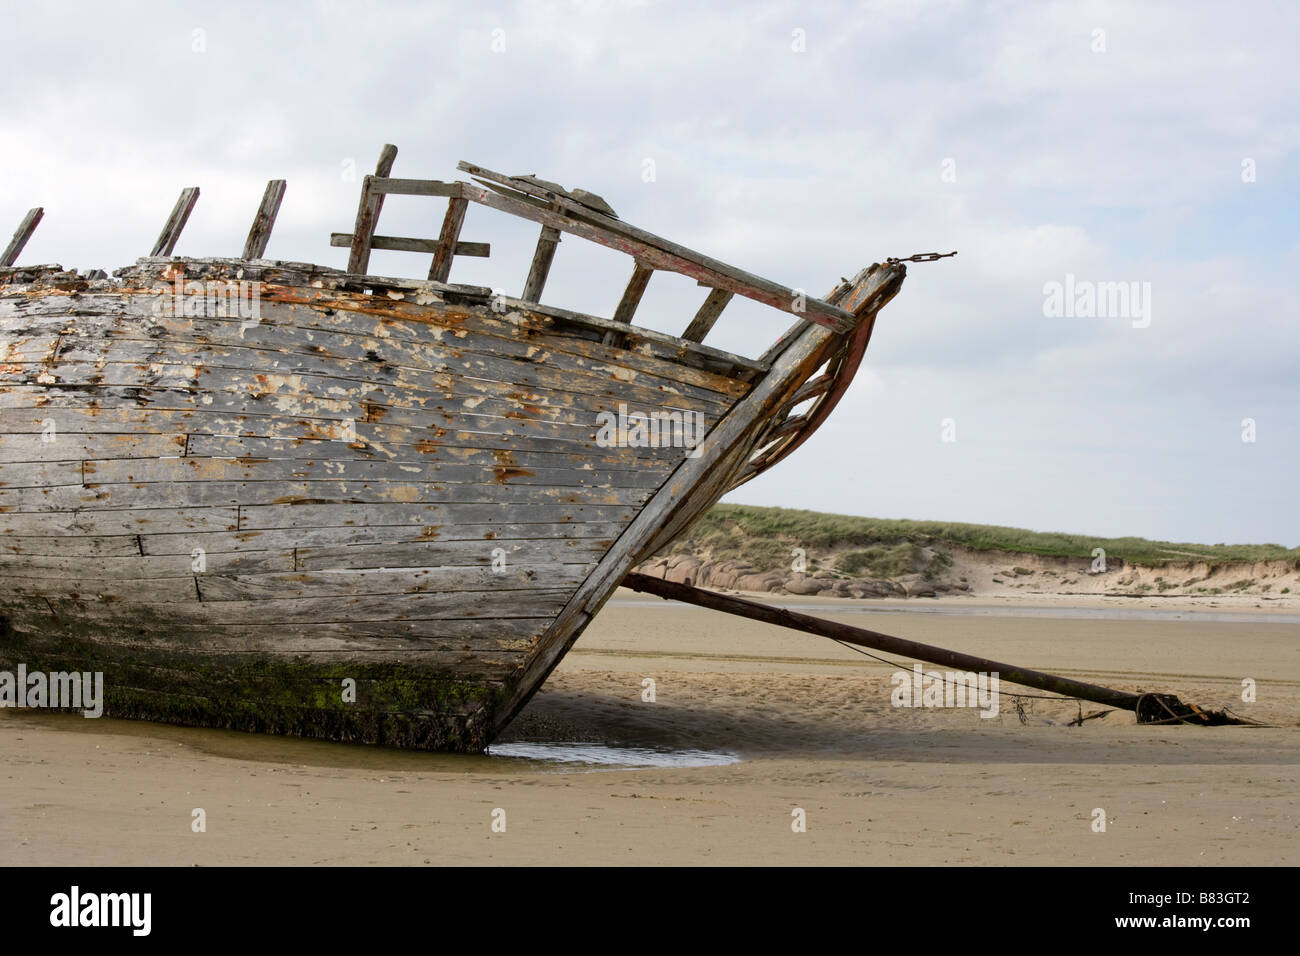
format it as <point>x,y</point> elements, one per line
<point>279,497</point>
<point>231,519</point>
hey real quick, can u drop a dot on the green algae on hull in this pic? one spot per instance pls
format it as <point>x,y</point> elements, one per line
<point>393,703</point>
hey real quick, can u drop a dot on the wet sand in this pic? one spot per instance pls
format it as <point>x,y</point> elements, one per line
<point>810,721</point>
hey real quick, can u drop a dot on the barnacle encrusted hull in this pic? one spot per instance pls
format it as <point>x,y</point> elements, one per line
<point>286,498</point>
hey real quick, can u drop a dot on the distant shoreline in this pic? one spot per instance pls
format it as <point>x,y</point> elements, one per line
<point>778,551</point>
<point>1239,608</point>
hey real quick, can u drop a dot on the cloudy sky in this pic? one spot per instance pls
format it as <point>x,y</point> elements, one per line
<point>1154,144</point>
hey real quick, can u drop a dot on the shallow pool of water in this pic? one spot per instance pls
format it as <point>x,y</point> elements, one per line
<point>605,756</point>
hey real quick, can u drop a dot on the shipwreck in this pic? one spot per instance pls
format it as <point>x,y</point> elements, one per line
<point>283,497</point>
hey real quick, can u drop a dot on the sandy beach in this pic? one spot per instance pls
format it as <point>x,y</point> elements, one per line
<point>780,721</point>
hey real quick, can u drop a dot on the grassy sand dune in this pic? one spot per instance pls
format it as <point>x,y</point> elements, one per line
<point>782,550</point>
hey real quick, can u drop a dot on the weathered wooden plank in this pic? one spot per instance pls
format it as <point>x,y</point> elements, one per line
<point>434,423</point>
<point>518,335</point>
<point>576,554</point>
<point>412,350</point>
<point>130,521</point>
<point>260,232</point>
<point>195,468</point>
<point>646,341</point>
<point>411,636</point>
<point>259,419</point>
<point>708,314</point>
<point>468,332</point>
<point>419,641</point>
<point>215,381</point>
<point>448,244</point>
<point>458,604</point>
<point>441,514</point>
<point>39,474</point>
<point>21,235</point>
<point>541,264</point>
<point>479,250</point>
<point>368,208</point>
<point>219,384</point>
<point>62,546</point>
<point>21,606</point>
<point>116,590</point>
<point>442,401</point>
<point>184,564</point>
<point>386,185</point>
<point>401,581</point>
<point>31,348</point>
<point>180,215</point>
<point>654,250</point>
<point>462,542</point>
<point>213,446</point>
<point>383,362</point>
<point>218,494</point>
<point>532,318</point>
<point>64,446</point>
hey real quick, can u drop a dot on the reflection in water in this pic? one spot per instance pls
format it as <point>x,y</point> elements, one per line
<point>604,755</point>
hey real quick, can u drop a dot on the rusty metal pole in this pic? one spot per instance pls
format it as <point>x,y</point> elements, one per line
<point>881,642</point>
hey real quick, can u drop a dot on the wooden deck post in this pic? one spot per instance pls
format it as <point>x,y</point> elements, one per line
<point>541,267</point>
<point>705,318</point>
<point>636,286</point>
<point>23,233</point>
<point>368,212</point>
<point>180,215</point>
<point>260,233</point>
<point>447,239</point>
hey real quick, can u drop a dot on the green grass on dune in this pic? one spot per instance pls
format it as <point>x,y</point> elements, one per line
<point>725,527</point>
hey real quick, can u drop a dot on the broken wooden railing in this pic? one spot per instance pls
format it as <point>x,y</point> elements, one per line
<point>559,211</point>
<point>585,214</point>
<point>1150,708</point>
